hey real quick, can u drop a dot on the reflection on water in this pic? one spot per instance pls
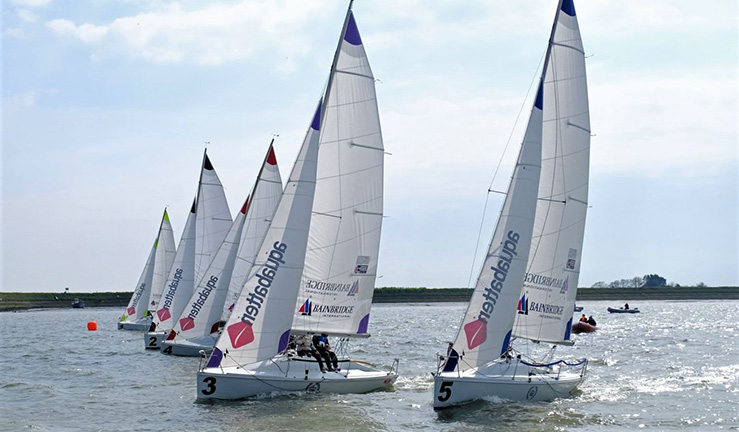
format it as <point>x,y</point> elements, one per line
<point>669,368</point>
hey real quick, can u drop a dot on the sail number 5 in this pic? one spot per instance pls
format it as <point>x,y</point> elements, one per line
<point>211,382</point>
<point>445,391</point>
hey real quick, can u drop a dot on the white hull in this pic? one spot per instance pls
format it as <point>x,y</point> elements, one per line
<point>186,348</point>
<point>135,326</point>
<point>512,380</point>
<point>153,340</point>
<point>291,374</point>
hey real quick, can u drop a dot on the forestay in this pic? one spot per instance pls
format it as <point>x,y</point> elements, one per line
<point>180,283</point>
<point>136,308</point>
<point>550,285</point>
<point>259,326</point>
<point>485,332</point>
<point>163,259</point>
<point>262,205</point>
<point>341,261</point>
<point>202,314</point>
<point>214,217</point>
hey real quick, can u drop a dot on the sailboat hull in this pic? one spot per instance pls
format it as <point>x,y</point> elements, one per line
<point>283,374</point>
<point>153,340</point>
<point>187,348</point>
<point>135,326</point>
<point>512,380</point>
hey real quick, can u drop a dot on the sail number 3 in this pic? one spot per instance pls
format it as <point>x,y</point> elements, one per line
<point>211,383</point>
<point>445,391</point>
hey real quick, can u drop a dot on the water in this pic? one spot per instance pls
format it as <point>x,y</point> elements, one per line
<point>675,366</point>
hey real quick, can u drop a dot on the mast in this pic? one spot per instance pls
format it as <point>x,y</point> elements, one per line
<point>335,61</point>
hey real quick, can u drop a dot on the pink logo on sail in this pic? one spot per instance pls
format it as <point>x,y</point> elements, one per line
<point>241,334</point>
<point>477,333</point>
<point>187,323</point>
<point>164,314</point>
<point>131,310</point>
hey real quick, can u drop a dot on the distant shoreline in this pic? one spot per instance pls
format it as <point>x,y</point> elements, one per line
<point>10,301</point>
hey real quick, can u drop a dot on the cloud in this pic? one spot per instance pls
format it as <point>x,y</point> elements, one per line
<point>25,100</point>
<point>654,125</point>
<point>31,3</point>
<point>209,36</point>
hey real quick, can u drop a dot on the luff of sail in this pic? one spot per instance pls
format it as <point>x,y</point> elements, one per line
<point>341,261</point>
<point>485,332</point>
<point>214,217</point>
<point>263,202</point>
<point>259,326</point>
<point>181,280</point>
<point>134,311</point>
<point>163,259</point>
<point>136,308</point>
<point>202,315</point>
<point>550,284</point>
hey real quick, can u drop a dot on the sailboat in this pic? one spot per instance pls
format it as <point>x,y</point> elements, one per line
<point>137,315</point>
<point>319,255</point>
<point>528,281</point>
<point>206,226</point>
<point>199,324</point>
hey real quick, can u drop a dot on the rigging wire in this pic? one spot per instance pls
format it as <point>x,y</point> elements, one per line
<point>537,74</point>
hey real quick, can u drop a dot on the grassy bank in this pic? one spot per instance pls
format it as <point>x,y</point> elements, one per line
<point>10,301</point>
<point>18,301</point>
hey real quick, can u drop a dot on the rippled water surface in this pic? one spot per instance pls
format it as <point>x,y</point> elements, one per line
<point>675,366</point>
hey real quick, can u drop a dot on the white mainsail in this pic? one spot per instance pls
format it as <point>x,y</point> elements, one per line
<point>485,332</point>
<point>259,326</point>
<point>181,280</point>
<point>550,285</point>
<point>341,261</point>
<point>202,316</point>
<point>201,319</point>
<point>163,259</point>
<point>214,217</point>
<point>263,202</point>
<point>136,309</point>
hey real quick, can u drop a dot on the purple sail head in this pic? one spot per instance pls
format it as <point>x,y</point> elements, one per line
<point>568,7</point>
<point>352,33</point>
<point>539,103</point>
<point>316,125</point>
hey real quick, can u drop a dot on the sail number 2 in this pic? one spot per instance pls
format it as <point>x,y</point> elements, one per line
<point>445,391</point>
<point>211,383</point>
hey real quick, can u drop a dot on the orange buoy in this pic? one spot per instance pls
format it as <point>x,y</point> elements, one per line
<point>92,325</point>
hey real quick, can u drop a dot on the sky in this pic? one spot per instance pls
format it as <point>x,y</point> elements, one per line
<point>107,106</point>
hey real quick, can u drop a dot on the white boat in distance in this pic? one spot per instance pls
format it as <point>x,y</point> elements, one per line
<point>137,315</point>
<point>528,282</point>
<point>340,198</point>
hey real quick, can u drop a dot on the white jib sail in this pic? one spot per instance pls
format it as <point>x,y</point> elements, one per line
<point>485,331</point>
<point>136,307</point>
<point>550,285</point>
<point>214,218</point>
<point>202,315</point>
<point>259,326</point>
<point>341,262</point>
<point>262,205</point>
<point>180,283</point>
<point>163,259</point>
<point>133,311</point>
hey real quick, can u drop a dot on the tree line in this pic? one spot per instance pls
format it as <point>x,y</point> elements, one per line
<point>646,281</point>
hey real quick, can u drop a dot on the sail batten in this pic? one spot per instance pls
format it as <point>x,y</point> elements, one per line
<point>343,245</point>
